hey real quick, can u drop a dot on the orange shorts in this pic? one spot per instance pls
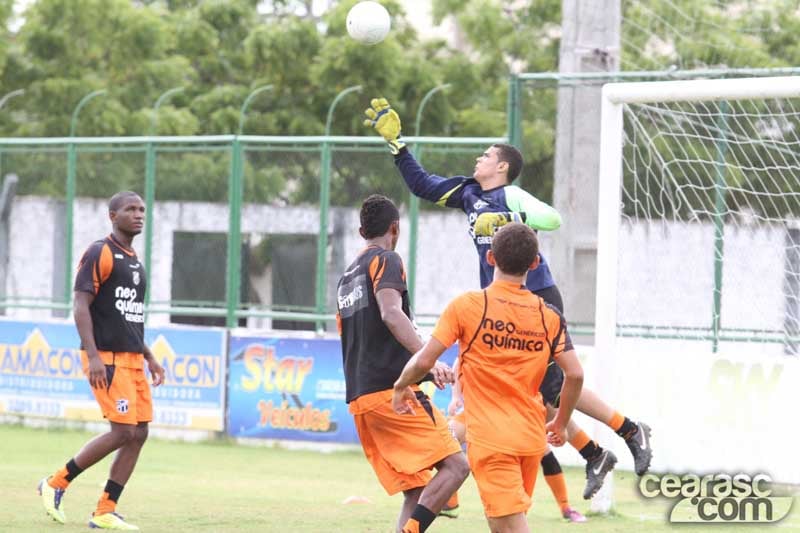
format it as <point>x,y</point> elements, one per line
<point>505,482</point>
<point>402,449</point>
<point>127,399</point>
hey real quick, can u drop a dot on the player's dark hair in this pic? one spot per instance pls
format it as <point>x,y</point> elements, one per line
<point>377,214</point>
<point>515,246</point>
<point>512,156</point>
<point>117,201</point>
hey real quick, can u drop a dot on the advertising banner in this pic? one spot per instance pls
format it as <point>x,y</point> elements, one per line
<point>41,374</point>
<point>294,389</point>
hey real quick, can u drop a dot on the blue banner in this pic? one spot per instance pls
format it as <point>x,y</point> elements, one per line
<point>193,393</point>
<point>41,374</point>
<point>40,370</point>
<point>287,388</point>
<point>294,389</point>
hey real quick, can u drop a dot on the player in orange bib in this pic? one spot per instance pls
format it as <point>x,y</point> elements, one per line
<point>506,336</point>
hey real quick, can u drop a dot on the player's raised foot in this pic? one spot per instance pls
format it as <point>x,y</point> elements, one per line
<point>596,470</point>
<point>639,445</point>
<point>111,521</point>
<point>449,512</point>
<point>573,516</point>
<point>51,499</point>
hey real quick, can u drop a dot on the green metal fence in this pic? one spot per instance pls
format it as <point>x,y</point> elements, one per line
<point>231,171</point>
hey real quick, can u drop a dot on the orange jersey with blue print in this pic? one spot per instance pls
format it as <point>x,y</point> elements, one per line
<point>506,336</point>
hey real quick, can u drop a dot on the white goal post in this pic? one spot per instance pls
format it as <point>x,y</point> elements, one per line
<point>614,97</point>
<point>709,169</point>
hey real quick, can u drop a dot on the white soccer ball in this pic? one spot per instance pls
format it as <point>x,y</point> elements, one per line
<point>368,22</point>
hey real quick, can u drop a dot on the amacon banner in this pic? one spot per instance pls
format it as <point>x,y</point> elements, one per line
<point>41,374</point>
<point>294,389</point>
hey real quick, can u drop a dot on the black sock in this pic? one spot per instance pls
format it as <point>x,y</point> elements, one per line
<point>73,470</point>
<point>628,429</point>
<point>550,465</point>
<point>591,450</point>
<point>423,516</point>
<point>114,490</point>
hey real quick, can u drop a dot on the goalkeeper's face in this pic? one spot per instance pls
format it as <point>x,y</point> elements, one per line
<point>486,165</point>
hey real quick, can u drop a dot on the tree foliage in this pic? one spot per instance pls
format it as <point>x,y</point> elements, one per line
<point>219,51</point>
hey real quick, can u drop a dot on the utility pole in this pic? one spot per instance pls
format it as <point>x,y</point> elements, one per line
<point>590,42</point>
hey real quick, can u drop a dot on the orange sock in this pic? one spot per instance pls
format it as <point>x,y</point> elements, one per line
<point>558,485</point>
<point>453,501</point>
<point>579,440</point>
<point>411,526</point>
<point>616,421</point>
<point>105,505</point>
<point>59,479</point>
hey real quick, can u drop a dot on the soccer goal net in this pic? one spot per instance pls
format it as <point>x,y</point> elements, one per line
<point>698,289</point>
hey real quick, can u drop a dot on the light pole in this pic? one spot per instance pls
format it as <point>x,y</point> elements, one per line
<point>72,157</point>
<point>233,281</point>
<point>160,100</point>
<point>85,100</point>
<point>150,182</point>
<point>246,104</point>
<point>9,96</point>
<point>324,200</point>
<point>3,100</point>
<point>413,203</point>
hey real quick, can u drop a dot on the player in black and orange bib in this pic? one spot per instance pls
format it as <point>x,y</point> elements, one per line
<point>109,314</point>
<point>378,338</point>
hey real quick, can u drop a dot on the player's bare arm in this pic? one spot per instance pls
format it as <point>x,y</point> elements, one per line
<point>156,370</point>
<point>418,366</point>
<point>390,302</point>
<point>457,399</point>
<point>83,321</point>
<point>570,391</point>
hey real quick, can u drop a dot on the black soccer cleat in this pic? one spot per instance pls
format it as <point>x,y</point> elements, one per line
<point>639,445</point>
<point>596,470</point>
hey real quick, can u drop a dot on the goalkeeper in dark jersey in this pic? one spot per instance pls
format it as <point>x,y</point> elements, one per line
<point>490,201</point>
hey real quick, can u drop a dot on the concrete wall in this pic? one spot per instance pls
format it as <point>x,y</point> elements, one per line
<point>447,261</point>
<point>666,271</point>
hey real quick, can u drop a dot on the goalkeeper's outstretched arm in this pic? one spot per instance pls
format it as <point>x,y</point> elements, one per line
<point>524,208</point>
<point>538,215</point>
<point>441,191</point>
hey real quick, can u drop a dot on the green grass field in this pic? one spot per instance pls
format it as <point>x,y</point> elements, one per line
<point>220,486</point>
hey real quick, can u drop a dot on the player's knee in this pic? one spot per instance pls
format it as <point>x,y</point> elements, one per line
<point>459,465</point>
<point>142,431</point>
<point>124,434</point>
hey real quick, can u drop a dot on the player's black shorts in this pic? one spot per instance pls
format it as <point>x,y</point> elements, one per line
<point>551,384</point>
<point>554,377</point>
<point>552,296</point>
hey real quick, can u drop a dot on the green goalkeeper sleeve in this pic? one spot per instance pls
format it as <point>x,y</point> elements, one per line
<point>538,215</point>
